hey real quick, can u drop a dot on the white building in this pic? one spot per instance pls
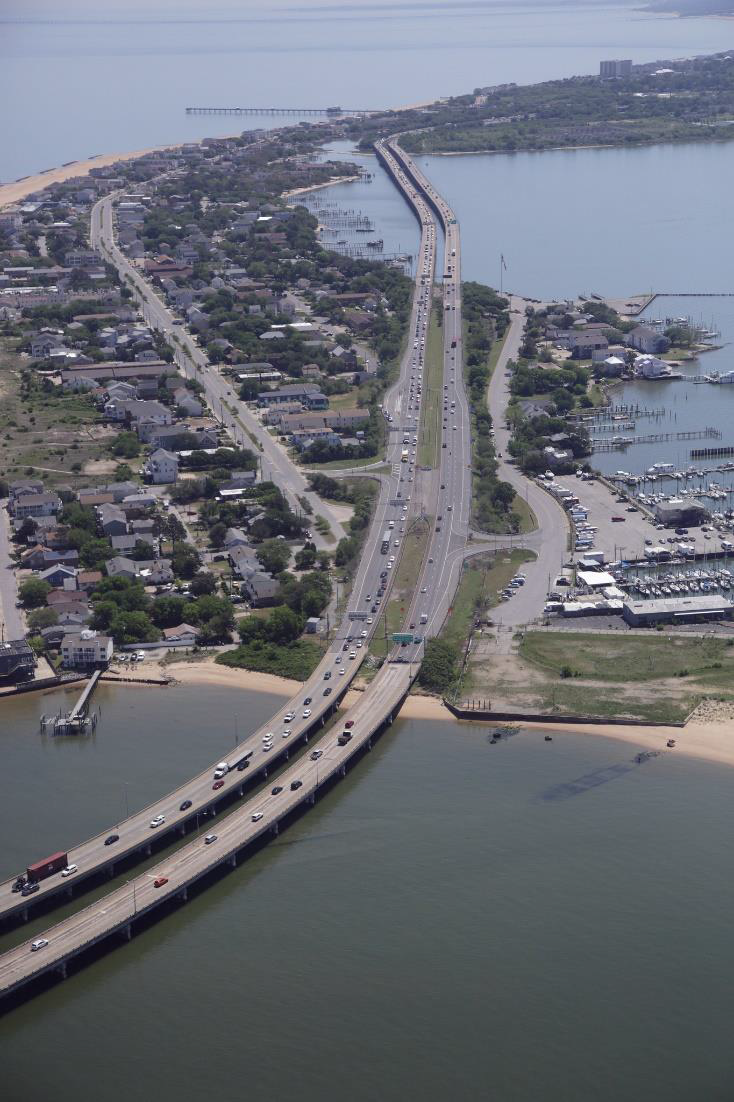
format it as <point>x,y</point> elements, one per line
<point>86,648</point>
<point>162,466</point>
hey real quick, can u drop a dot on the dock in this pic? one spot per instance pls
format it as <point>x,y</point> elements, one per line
<point>77,721</point>
<point>330,112</point>
<point>616,443</point>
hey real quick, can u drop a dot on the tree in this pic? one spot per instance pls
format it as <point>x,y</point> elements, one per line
<point>306,557</point>
<point>438,669</point>
<point>27,530</point>
<point>168,612</point>
<point>33,592</point>
<point>42,618</point>
<point>274,556</point>
<point>126,445</point>
<point>217,532</point>
<point>123,472</point>
<point>185,560</point>
<point>202,583</point>
<point>283,626</point>
<point>133,627</point>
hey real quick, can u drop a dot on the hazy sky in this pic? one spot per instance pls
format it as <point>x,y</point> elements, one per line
<point>113,9</point>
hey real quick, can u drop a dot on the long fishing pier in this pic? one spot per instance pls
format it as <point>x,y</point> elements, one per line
<point>330,112</point>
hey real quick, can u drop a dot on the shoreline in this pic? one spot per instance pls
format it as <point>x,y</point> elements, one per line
<point>704,740</point>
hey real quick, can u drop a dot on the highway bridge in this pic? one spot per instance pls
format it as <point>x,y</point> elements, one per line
<point>263,812</point>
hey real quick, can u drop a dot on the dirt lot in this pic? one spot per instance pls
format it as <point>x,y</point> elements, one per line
<point>657,678</point>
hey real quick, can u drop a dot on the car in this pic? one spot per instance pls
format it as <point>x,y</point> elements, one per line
<point>277,790</point>
<point>289,717</point>
<point>217,785</point>
<point>618,520</point>
<point>352,654</point>
<point>369,618</point>
<point>295,785</point>
<point>209,839</point>
<point>159,820</point>
<point>306,702</point>
<point>30,888</point>
<point>268,736</point>
<point>286,733</point>
<point>363,634</point>
<point>257,816</point>
<point>359,644</point>
<point>373,609</point>
<point>19,884</point>
<point>346,646</point>
<point>327,675</point>
<point>39,943</point>
<point>111,838</point>
<point>327,692</point>
<point>306,713</point>
<point>424,589</point>
<point>243,765</point>
<point>316,754</point>
<point>160,881</point>
<point>349,724</point>
<point>342,671</point>
<point>450,508</point>
<point>70,870</point>
<point>185,805</point>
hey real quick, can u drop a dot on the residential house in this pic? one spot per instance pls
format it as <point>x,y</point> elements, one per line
<point>260,588</point>
<point>647,340</point>
<point>295,392</point>
<point>187,403</point>
<point>162,466</point>
<point>35,505</point>
<point>183,634</point>
<point>121,567</point>
<point>17,660</point>
<point>86,649</point>
<point>112,520</point>
<point>123,543</point>
<point>60,577</point>
<point>235,537</point>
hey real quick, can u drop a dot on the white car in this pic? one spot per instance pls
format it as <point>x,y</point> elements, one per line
<point>289,717</point>
<point>287,732</point>
<point>268,737</point>
<point>369,620</point>
<point>39,943</point>
<point>363,634</point>
<point>257,816</point>
<point>306,713</point>
<point>159,820</point>
<point>209,839</point>
<point>352,654</point>
<point>69,870</point>
<point>342,671</point>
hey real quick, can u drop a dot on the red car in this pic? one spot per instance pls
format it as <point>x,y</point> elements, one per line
<point>217,784</point>
<point>160,881</point>
<point>349,723</point>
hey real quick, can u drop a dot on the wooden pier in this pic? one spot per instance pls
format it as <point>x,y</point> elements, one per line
<point>657,438</point>
<point>330,112</point>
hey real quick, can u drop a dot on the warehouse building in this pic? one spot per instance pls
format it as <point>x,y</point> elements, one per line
<point>672,610</point>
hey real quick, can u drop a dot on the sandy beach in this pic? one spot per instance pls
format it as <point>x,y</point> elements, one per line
<point>709,736</point>
<point>20,189</point>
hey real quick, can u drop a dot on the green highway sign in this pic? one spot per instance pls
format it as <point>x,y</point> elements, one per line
<point>402,637</point>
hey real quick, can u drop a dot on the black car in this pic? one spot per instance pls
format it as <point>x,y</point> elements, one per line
<point>327,675</point>
<point>19,883</point>
<point>111,838</point>
<point>295,785</point>
<point>243,765</point>
<point>346,646</point>
<point>274,791</point>
<point>306,702</point>
<point>327,692</point>
<point>185,805</point>
<point>316,754</point>
<point>374,608</point>
<point>29,889</point>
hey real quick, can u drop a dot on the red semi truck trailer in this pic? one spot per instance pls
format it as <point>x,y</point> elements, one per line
<point>41,869</point>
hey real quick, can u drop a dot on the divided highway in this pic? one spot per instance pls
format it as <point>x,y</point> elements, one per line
<point>447,496</point>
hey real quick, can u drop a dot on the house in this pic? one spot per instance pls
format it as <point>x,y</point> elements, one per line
<point>647,340</point>
<point>295,392</point>
<point>144,528</point>
<point>112,520</point>
<point>44,343</point>
<point>35,505</point>
<point>17,660</point>
<point>95,497</point>
<point>86,580</point>
<point>162,466</point>
<point>121,567</point>
<point>183,633</point>
<point>243,560</point>
<point>583,345</point>
<point>86,649</point>
<point>650,367</point>
<point>123,543</point>
<point>188,403</point>
<point>156,571</point>
<point>60,577</point>
<point>260,588</point>
<point>235,537</point>
<point>610,368</point>
<point>68,557</point>
<point>34,558</point>
<point>74,615</point>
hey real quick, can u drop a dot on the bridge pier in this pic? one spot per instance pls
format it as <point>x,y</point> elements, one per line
<point>146,849</point>
<point>127,932</point>
<point>61,969</point>
<point>184,894</point>
<point>275,828</point>
<point>343,770</point>
<point>233,860</point>
<point>110,871</point>
<point>24,914</point>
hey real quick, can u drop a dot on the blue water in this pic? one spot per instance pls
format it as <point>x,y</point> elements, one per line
<point>85,78</point>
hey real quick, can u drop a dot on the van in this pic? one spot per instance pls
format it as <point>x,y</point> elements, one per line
<point>424,617</point>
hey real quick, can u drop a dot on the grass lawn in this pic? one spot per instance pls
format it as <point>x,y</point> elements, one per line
<point>528,523</point>
<point>392,616</point>
<point>297,661</point>
<point>429,440</point>
<point>623,658</point>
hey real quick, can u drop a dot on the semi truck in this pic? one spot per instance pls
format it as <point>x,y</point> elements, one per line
<point>47,867</point>
<point>385,547</point>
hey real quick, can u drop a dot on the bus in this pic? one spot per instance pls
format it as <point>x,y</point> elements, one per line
<point>385,543</point>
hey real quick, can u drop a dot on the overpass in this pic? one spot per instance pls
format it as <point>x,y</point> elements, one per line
<point>263,813</point>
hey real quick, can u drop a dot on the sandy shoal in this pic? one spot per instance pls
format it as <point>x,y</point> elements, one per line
<point>708,741</point>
